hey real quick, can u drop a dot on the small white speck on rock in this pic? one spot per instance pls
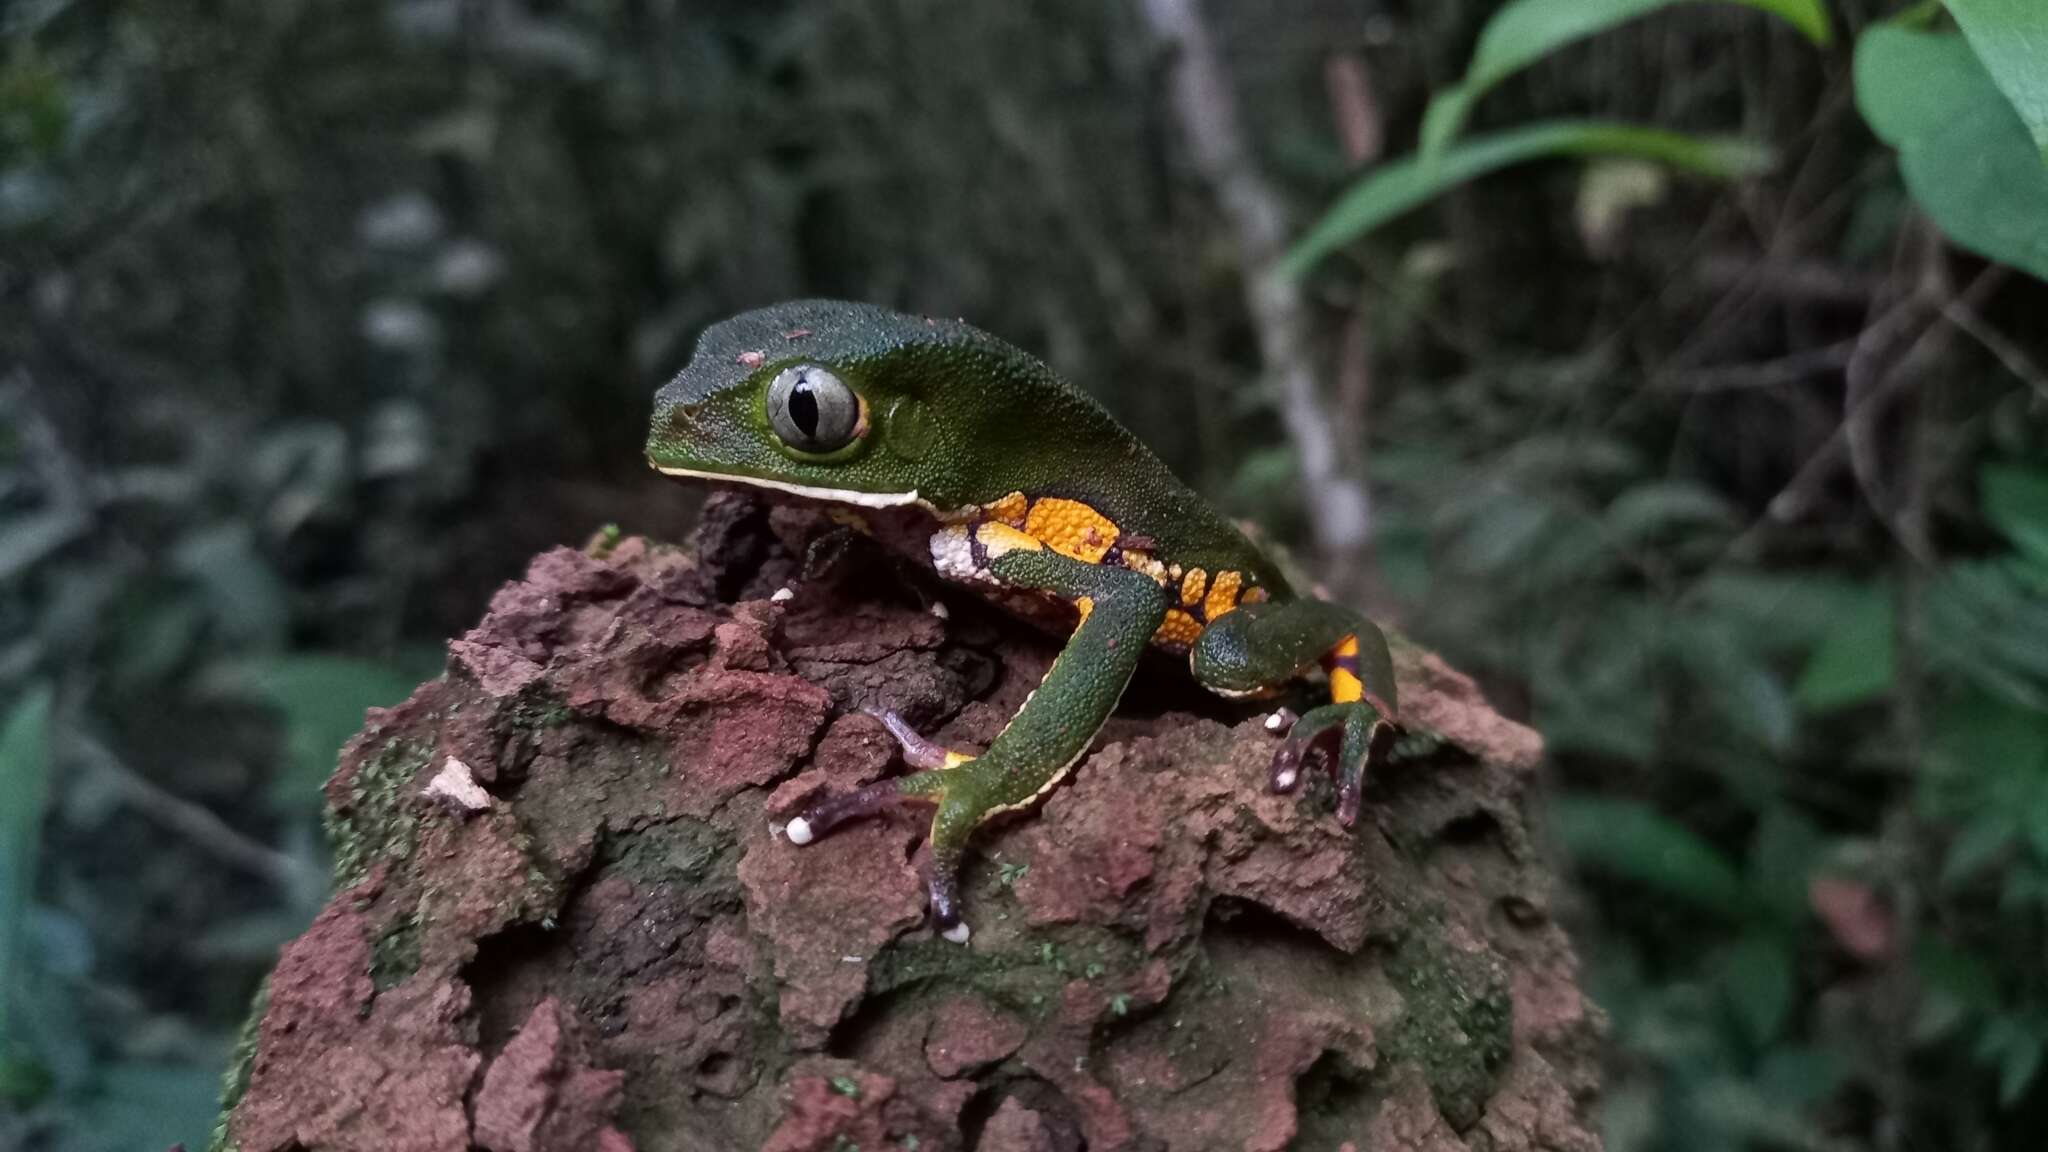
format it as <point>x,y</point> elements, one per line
<point>455,786</point>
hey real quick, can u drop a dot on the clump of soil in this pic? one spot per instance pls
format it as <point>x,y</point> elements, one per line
<point>563,920</point>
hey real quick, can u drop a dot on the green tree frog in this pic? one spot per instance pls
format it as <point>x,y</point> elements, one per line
<point>980,463</point>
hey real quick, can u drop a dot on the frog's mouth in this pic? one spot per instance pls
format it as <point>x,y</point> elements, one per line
<point>807,491</point>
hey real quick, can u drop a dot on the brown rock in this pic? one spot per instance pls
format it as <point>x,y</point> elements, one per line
<point>618,953</point>
<point>539,1095</point>
<point>968,1035</point>
<point>1015,1128</point>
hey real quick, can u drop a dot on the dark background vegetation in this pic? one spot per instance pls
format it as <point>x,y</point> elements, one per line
<point>318,317</point>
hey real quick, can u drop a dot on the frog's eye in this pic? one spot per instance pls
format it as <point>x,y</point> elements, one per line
<point>812,410</point>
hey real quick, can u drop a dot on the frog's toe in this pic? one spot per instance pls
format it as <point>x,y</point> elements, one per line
<point>918,752</point>
<point>945,902</point>
<point>1306,741</point>
<point>1365,736</point>
<point>1287,765</point>
<point>834,810</point>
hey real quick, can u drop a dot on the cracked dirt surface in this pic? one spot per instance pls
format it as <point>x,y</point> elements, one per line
<point>608,947</point>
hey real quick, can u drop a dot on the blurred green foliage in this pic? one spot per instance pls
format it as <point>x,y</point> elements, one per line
<point>318,318</point>
<point>1822,762</point>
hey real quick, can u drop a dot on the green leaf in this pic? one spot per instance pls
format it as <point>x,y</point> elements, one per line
<point>2016,501</point>
<point>1989,762</point>
<point>1400,185</point>
<point>1980,842</point>
<point>24,787</point>
<point>1630,840</point>
<point>1526,31</point>
<point>1801,1077</point>
<point>2017,1066</point>
<point>1759,979</point>
<point>2011,38</point>
<point>1781,861</point>
<point>1966,156</point>
<point>1986,620</point>
<point>321,699</point>
<point>1855,661</point>
<point>1745,692</point>
<point>246,598</point>
<point>1648,512</point>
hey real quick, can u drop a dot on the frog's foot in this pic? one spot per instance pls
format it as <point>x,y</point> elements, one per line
<point>959,795</point>
<point>918,752</point>
<point>1341,736</point>
<point>846,807</point>
<point>842,808</point>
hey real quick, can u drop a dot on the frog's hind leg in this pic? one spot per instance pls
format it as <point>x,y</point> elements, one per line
<point>1260,646</point>
<point>1120,610</point>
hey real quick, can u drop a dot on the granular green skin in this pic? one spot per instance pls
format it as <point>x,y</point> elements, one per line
<point>379,822</point>
<point>960,417</point>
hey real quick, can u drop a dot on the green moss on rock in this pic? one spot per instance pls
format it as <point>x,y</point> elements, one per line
<point>395,955</point>
<point>378,823</point>
<point>236,1080</point>
<point>1456,1024</point>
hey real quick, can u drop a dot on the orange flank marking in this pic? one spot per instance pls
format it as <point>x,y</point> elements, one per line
<point>1222,596</point>
<point>1254,596</point>
<point>1180,630</point>
<point>1192,586</point>
<point>1071,528</point>
<point>1010,509</point>
<point>1084,605</point>
<point>1001,538</point>
<point>1345,686</point>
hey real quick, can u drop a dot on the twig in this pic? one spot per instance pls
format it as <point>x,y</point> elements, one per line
<point>1871,391</point>
<point>206,831</point>
<point>1971,323</point>
<point>1357,113</point>
<point>1775,373</point>
<point>1790,279</point>
<point>1207,109</point>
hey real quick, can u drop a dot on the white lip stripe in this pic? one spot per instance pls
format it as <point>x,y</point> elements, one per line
<point>835,495</point>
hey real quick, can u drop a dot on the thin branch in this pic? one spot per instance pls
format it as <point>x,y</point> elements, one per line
<point>195,823</point>
<point>1775,373</point>
<point>1207,108</point>
<point>1971,323</point>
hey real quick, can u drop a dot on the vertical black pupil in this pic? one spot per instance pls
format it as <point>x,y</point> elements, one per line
<point>803,408</point>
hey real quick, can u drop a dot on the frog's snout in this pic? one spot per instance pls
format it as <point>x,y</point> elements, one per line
<point>680,423</point>
<point>677,433</point>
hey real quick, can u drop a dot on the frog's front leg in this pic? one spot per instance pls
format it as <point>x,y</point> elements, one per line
<point>1120,610</point>
<point>1260,646</point>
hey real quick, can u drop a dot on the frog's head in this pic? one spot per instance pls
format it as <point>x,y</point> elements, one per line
<point>841,402</point>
